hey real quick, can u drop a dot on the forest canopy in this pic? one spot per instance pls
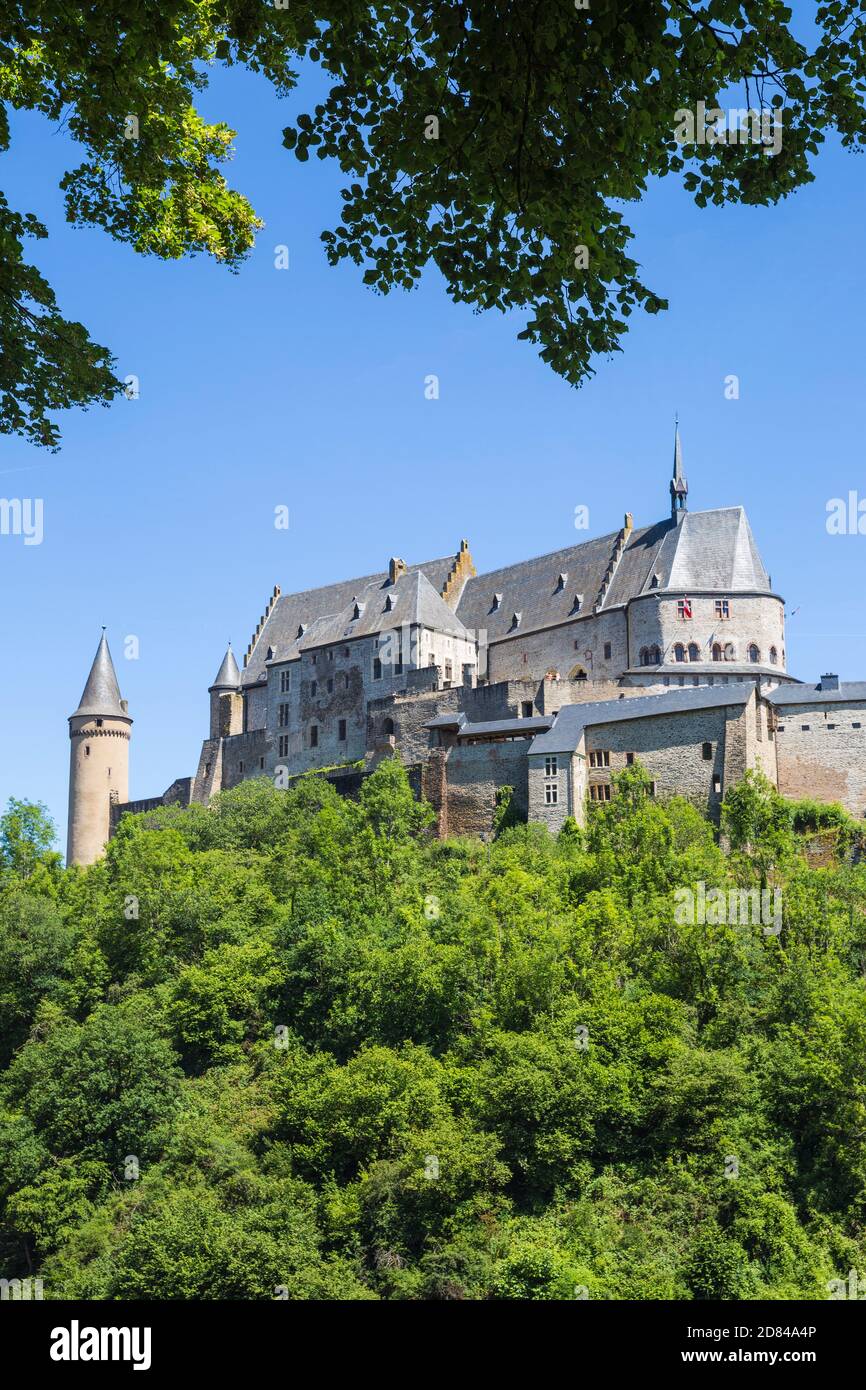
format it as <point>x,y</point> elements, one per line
<point>293,1046</point>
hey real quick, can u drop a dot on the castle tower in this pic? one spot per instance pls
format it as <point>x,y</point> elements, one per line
<point>98,760</point>
<point>679,486</point>
<point>226,701</point>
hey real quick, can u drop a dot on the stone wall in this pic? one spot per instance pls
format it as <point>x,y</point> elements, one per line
<point>474,772</point>
<point>758,618</point>
<point>821,752</point>
<point>563,648</point>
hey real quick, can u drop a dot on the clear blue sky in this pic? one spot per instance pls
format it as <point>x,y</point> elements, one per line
<point>302,388</point>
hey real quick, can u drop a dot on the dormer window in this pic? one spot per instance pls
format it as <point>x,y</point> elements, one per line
<point>578,603</point>
<point>302,627</point>
<point>389,603</point>
<point>654,582</point>
<point>561,581</point>
<point>270,655</point>
<point>497,599</point>
<point>515,620</point>
<point>356,610</point>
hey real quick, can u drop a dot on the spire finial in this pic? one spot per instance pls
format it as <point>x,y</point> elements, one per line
<point>679,486</point>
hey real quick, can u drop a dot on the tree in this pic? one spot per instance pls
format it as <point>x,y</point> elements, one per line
<point>27,834</point>
<point>497,143</point>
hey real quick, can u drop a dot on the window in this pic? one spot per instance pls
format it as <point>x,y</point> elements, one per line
<point>717,785</point>
<point>241,766</point>
<point>283,716</point>
<point>707,752</point>
<point>261,762</point>
<point>377,668</point>
<point>99,723</point>
<point>652,788</point>
<point>285,682</point>
<point>449,671</point>
<point>679,652</point>
<point>87,750</point>
<point>629,759</point>
<point>754,652</point>
<point>207,769</point>
<point>599,757</point>
<point>717,651</point>
<point>314,658</point>
<point>600,791</point>
<point>805,728</point>
<point>723,608</point>
<point>855,726</point>
<point>389,728</point>
<point>551,766</point>
<point>694,652</point>
<point>330,685</point>
<point>643,658</point>
<point>608,651</point>
<point>684,608</point>
<point>331,655</point>
<point>283,746</point>
<point>314,686</point>
<point>345,680</point>
<point>831,726</point>
<point>774,656</point>
<point>526,709</point>
<point>341,731</point>
<point>314,735</point>
<point>551,794</point>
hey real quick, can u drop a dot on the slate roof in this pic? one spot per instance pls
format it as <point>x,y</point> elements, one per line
<point>290,611</point>
<point>573,719</point>
<point>711,550</point>
<point>228,677</point>
<point>813,694</point>
<point>535,724</point>
<point>412,600</point>
<point>101,694</point>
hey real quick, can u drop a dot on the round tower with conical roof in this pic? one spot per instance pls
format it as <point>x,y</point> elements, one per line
<point>99,732</point>
<point>226,701</point>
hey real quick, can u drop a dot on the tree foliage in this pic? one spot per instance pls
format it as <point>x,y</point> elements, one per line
<point>330,1057</point>
<point>496,142</point>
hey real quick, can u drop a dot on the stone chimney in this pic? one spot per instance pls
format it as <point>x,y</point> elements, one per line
<point>396,567</point>
<point>829,682</point>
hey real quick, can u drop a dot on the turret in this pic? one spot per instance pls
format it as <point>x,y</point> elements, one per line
<point>99,733</point>
<point>679,486</point>
<point>226,700</point>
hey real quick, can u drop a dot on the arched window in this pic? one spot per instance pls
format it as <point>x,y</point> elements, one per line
<point>655,656</point>
<point>717,651</point>
<point>694,652</point>
<point>679,652</point>
<point>389,727</point>
<point>754,653</point>
<point>577,674</point>
<point>644,657</point>
<point>774,656</point>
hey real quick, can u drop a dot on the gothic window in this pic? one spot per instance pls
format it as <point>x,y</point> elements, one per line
<point>717,651</point>
<point>655,656</point>
<point>644,657</point>
<point>679,652</point>
<point>754,653</point>
<point>694,652</point>
<point>774,656</point>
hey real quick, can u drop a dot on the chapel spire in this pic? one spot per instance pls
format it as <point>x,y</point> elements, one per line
<point>679,486</point>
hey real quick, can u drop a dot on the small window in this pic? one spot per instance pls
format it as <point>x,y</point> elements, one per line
<point>831,726</point>
<point>389,728</point>
<point>855,726</point>
<point>629,759</point>
<point>87,750</point>
<point>261,762</point>
<point>331,655</point>
<point>599,757</point>
<point>377,668</point>
<point>283,744</point>
<point>774,656</point>
<point>314,658</point>
<point>805,728</point>
<point>285,682</point>
<point>314,735</point>
<point>754,652</point>
<point>652,788</point>
<point>241,766</point>
<point>341,731</point>
<point>314,686</point>
<point>283,716</point>
<point>723,608</point>
<point>551,794</point>
<point>679,652</point>
<point>551,766</point>
<point>684,608</point>
<point>330,685</point>
<point>717,785</point>
<point>717,651</point>
<point>608,651</point>
<point>707,752</point>
<point>207,769</point>
<point>99,723</point>
<point>694,652</point>
<point>345,651</point>
<point>526,709</point>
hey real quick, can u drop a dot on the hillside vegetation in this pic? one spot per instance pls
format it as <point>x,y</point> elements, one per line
<point>292,1046</point>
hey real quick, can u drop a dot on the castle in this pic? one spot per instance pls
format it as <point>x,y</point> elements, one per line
<point>663,643</point>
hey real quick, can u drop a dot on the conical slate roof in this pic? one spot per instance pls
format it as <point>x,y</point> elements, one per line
<point>228,677</point>
<point>101,695</point>
<point>679,486</point>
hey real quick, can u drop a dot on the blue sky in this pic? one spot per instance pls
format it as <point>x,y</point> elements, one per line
<point>302,388</point>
